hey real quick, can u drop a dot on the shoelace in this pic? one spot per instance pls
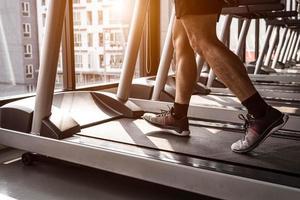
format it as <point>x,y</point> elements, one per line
<point>166,112</point>
<point>247,120</point>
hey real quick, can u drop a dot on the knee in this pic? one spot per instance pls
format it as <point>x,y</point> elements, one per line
<point>202,43</point>
<point>182,45</point>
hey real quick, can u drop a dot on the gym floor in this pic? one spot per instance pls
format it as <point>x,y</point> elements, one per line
<point>52,179</point>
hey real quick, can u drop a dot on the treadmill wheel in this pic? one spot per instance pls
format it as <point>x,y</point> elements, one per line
<point>27,159</point>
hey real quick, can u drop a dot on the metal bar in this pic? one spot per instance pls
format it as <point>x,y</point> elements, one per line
<point>291,51</point>
<point>223,36</point>
<point>263,51</point>
<point>243,36</point>
<point>288,47</point>
<point>68,49</point>
<point>165,61</point>
<point>279,48</point>
<point>294,56</point>
<point>132,49</point>
<point>271,47</point>
<point>257,22</point>
<point>165,172</point>
<point>49,60</point>
<point>284,47</point>
<point>286,78</point>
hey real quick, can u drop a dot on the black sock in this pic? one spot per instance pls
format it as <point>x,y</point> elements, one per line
<point>256,105</point>
<point>180,110</point>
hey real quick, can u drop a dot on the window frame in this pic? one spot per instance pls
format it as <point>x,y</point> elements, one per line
<point>27,30</point>
<point>28,51</point>
<point>25,8</point>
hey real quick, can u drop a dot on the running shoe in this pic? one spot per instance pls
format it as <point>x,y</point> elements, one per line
<point>166,121</point>
<point>258,130</point>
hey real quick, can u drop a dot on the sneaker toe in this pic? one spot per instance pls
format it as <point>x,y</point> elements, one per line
<point>148,116</point>
<point>237,146</point>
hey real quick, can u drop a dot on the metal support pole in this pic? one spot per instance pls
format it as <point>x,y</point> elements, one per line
<point>294,56</point>
<point>288,47</point>
<point>271,47</point>
<point>291,50</point>
<point>286,41</point>
<point>200,63</point>
<point>257,22</point>
<point>225,32</point>
<point>68,49</point>
<point>132,49</point>
<point>263,51</point>
<point>49,60</point>
<point>166,59</point>
<point>243,36</point>
<point>279,48</point>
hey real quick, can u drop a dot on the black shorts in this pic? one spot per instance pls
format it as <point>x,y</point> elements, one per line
<point>198,7</point>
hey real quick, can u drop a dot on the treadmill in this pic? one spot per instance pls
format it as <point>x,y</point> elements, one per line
<point>104,131</point>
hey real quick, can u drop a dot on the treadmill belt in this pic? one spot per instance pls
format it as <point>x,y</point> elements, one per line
<point>275,154</point>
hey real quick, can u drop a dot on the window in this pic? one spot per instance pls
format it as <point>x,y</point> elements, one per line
<point>27,30</point>
<point>23,22</point>
<point>89,17</point>
<point>101,39</point>
<point>29,71</point>
<point>28,51</point>
<point>77,40</point>
<point>116,61</point>
<point>101,61</point>
<point>26,9</point>
<point>78,61</point>
<point>77,18</point>
<point>100,17</point>
<point>30,88</point>
<point>90,61</point>
<point>90,39</point>
<point>76,1</point>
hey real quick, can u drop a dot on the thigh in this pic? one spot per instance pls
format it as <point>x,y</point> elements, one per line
<point>197,7</point>
<point>200,27</point>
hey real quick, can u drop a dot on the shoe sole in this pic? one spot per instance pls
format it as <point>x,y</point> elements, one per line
<point>182,134</point>
<point>264,135</point>
<point>170,129</point>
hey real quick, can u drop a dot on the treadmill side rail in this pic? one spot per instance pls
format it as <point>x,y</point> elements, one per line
<point>193,179</point>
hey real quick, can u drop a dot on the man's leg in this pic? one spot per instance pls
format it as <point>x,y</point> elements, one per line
<point>201,31</point>
<point>176,118</point>
<point>186,70</point>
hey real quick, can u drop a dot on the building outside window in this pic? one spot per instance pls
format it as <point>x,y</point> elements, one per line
<point>101,39</point>
<point>100,17</point>
<point>90,39</point>
<point>28,51</point>
<point>77,18</point>
<point>29,71</point>
<point>78,61</point>
<point>89,17</point>
<point>77,40</point>
<point>26,9</point>
<point>27,30</point>
<point>101,61</point>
